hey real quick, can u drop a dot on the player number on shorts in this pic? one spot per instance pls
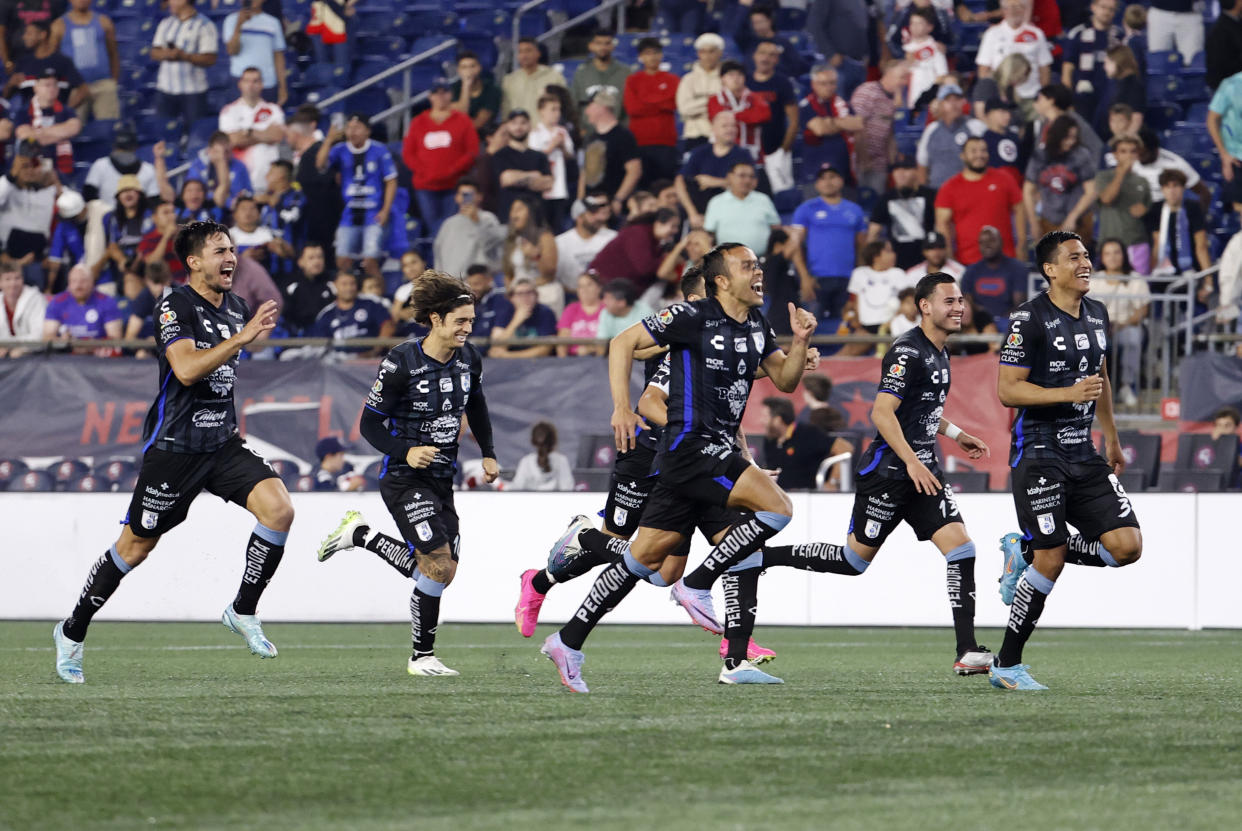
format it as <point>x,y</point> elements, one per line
<point>948,505</point>
<point>1122,499</point>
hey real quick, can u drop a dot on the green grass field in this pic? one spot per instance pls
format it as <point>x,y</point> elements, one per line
<point>179,727</point>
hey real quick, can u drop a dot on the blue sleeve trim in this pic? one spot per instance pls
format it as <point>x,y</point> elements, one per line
<point>895,395</point>
<point>1015,366</point>
<point>654,336</point>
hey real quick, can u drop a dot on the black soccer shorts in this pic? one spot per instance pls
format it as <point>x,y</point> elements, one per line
<point>422,506</point>
<point>1049,493</point>
<point>881,504</point>
<point>168,483</point>
<point>627,495</point>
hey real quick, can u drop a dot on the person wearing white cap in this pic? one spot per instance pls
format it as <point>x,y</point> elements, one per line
<point>696,88</point>
<point>68,246</point>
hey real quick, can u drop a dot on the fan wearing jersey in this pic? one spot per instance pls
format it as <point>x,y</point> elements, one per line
<point>191,443</point>
<point>716,346</point>
<point>368,180</point>
<point>1054,372</point>
<point>413,416</point>
<point>899,478</point>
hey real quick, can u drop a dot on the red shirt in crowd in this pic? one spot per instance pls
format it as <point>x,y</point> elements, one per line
<point>440,153</point>
<point>651,102</point>
<point>751,112</point>
<point>634,254</point>
<point>989,201</point>
<point>150,241</point>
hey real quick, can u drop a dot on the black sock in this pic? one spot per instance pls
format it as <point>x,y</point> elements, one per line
<point>1081,551</point>
<point>262,558</point>
<point>822,557</point>
<point>1028,605</point>
<point>960,578</point>
<point>738,543</point>
<point>741,596</point>
<point>541,582</point>
<point>391,550</point>
<point>610,588</point>
<point>598,548</point>
<point>101,582</point>
<point>1028,553</point>
<point>424,619</point>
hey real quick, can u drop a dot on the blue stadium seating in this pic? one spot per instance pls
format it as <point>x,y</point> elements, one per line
<point>135,29</point>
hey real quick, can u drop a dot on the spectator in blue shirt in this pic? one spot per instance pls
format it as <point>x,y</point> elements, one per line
<point>81,312</point>
<point>351,316</point>
<point>525,318</point>
<point>996,282</point>
<point>368,180</point>
<point>333,473</point>
<point>216,161</point>
<point>48,123</point>
<point>490,303</point>
<point>68,246</point>
<point>283,210</point>
<point>703,175</point>
<point>255,39</point>
<point>833,230</point>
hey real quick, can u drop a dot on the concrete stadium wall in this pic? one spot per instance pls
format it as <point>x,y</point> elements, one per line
<point>1183,580</point>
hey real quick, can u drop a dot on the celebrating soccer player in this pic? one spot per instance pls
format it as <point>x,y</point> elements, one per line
<point>191,442</point>
<point>1053,371</point>
<point>413,416</point>
<point>717,344</point>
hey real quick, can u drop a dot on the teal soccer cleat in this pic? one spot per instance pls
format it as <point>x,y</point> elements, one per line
<point>68,657</point>
<point>1016,678</point>
<point>249,627</point>
<point>1015,566</point>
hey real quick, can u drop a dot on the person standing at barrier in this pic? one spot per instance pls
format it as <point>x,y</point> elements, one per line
<point>1053,371</point>
<point>191,443</point>
<point>413,416</point>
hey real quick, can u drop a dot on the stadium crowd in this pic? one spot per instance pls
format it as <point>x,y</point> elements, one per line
<point>856,145</point>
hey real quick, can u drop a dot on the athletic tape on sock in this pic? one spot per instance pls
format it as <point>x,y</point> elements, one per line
<point>753,561</point>
<point>429,587</point>
<point>269,535</point>
<point>965,551</point>
<point>120,564</point>
<point>851,557</point>
<point>1038,582</point>
<point>772,519</point>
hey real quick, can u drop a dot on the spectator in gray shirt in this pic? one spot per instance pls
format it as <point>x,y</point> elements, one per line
<point>472,235</point>
<point>939,152</point>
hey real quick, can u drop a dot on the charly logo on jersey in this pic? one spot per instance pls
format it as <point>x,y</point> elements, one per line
<point>1081,341</point>
<point>736,396</point>
<point>1059,342</point>
<point>717,342</point>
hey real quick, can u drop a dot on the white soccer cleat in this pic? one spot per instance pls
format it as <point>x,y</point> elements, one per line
<point>250,628</point>
<point>68,656</point>
<point>428,665</point>
<point>975,661</point>
<point>698,604</point>
<point>343,537</point>
<point>746,673</point>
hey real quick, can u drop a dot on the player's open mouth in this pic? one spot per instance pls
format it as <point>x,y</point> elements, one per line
<point>226,270</point>
<point>757,287</point>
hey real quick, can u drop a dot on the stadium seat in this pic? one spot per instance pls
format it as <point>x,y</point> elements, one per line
<point>1132,481</point>
<point>11,469</point>
<point>90,483</point>
<point>32,481</point>
<point>590,479</point>
<point>1162,89</point>
<point>114,471</point>
<point>596,451</point>
<point>1197,452</point>
<point>1142,454</point>
<point>1196,481</point>
<point>100,129</point>
<point>790,18</point>
<point>138,29</point>
<point>67,472</point>
<point>968,481</point>
<point>157,128</point>
<point>325,75</point>
<point>302,483</point>
<point>218,76</point>
<point>432,21</point>
<point>282,467</point>
<point>1164,62</point>
<point>482,44</point>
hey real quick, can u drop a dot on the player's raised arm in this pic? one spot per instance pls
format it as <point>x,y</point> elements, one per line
<point>620,363</point>
<point>786,368</point>
<point>191,364</point>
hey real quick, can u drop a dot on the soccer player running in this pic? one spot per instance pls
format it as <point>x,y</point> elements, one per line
<point>899,478</point>
<point>582,547</point>
<point>413,416</point>
<point>191,442</point>
<point>1053,370</point>
<point>717,344</point>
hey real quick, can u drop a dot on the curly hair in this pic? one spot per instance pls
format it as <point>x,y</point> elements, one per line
<point>438,293</point>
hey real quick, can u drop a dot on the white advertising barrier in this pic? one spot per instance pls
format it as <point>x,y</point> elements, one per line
<point>1183,580</point>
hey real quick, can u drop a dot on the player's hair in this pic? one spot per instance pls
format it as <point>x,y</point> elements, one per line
<point>818,387</point>
<point>1170,175</point>
<point>782,408</point>
<point>543,439</point>
<point>191,239</point>
<point>1228,412</point>
<point>1046,248</point>
<point>926,286</point>
<point>438,293</point>
<point>692,281</point>
<point>714,265</point>
<point>873,249</point>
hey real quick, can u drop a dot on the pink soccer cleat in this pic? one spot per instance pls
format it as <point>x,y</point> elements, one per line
<point>755,653</point>
<point>526,613</point>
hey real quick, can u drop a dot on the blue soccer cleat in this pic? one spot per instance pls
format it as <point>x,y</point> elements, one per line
<point>1016,678</point>
<point>1015,566</point>
<point>746,673</point>
<point>566,548</point>
<point>68,656</point>
<point>249,627</point>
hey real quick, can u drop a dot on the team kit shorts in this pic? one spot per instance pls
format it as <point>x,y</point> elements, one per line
<point>168,483</point>
<point>881,504</point>
<point>1050,494</point>
<point>422,506</point>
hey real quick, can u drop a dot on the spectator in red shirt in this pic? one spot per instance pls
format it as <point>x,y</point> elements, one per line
<point>157,244</point>
<point>976,197</point>
<point>651,103</point>
<point>751,111</point>
<point>440,146</point>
